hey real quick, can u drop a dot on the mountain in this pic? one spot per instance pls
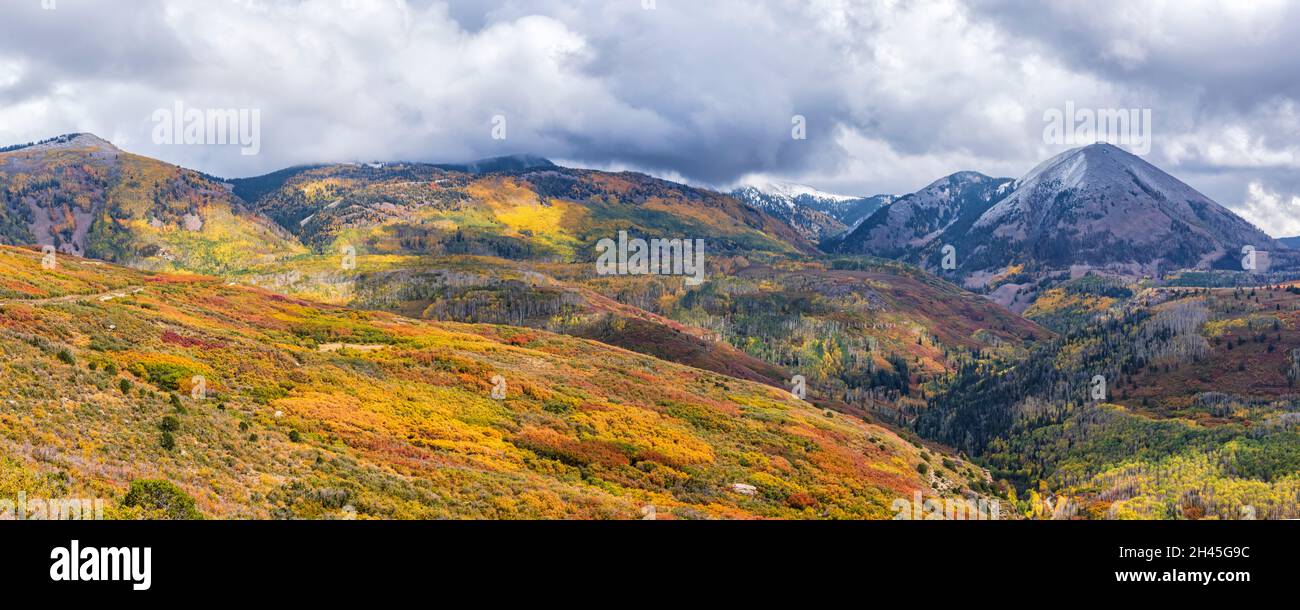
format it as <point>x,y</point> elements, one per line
<point>1290,242</point>
<point>815,214</point>
<point>514,244</point>
<point>911,223</point>
<point>1100,206</point>
<point>250,404</point>
<point>1095,208</point>
<point>526,210</point>
<point>854,213</point>
<point>516,247</point>
<point>83,196</point>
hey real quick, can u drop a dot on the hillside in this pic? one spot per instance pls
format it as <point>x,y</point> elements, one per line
<point>85,197</point>
<point>517,248</point>
<point>1196,416</point>
<point>512,241</point>
<point>316,411</point>
<point>536,211</point>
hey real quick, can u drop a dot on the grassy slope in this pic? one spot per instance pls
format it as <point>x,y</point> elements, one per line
<point>313,408</point>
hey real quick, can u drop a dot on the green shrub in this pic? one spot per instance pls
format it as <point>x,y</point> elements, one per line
<point>167,441</point>
<point>65,356</point>
<point>161,500</point>
<point>165,375</point>
<point>169,423</point>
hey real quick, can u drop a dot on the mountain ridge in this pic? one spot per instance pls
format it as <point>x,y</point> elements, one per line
<point>817,215</point>
<point>1093,208</point>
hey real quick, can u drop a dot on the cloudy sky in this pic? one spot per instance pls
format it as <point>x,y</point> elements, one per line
<point>894,94</point>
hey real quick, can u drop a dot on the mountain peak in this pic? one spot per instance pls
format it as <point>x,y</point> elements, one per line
<point>1099,164</point>
<point>66,141</point>
<point>958,179</point>
<point>1101,146</point>
<point>912,221</point>
<point>792,190</point>
<point>815,214</point>
<point>1103,206</point>
<point>966,175</point>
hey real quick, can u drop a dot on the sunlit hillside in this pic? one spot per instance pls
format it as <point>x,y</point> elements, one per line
<point>517,247</point>
<point>83,196</point>
<point>258,405</point>
<point>547,213</point>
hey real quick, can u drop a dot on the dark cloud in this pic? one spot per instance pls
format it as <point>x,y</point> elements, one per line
<point>895,94</point>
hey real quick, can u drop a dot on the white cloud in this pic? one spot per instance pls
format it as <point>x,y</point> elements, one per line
<point>1275,214</point>
<point>896,94</point>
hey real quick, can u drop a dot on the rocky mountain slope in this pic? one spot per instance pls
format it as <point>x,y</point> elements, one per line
<point>516,247</point>
<point>1103,207</point>
<point>910,225</point>
<point>815,214</point>
<point>1095,208</point>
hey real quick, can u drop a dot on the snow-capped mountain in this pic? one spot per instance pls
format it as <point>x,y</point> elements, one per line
<point>911,222</point>
<point>1103,207</point>
<point>816,214</point>
<point>1095,208</point>
<point>791,191</point>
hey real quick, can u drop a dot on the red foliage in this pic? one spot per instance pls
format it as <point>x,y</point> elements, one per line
<point>571,451</point>
<point>801,500</point>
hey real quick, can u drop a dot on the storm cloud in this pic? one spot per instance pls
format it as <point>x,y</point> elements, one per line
<point>894,94</point>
